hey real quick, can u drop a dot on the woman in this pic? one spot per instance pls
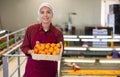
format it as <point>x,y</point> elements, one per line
<point>44,32</point>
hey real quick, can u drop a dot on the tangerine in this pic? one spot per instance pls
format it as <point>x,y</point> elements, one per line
<point>42,52</point>
<point>54,53</point>
<point>42,46</point>
<point>51,49</point>
<point>58,45</point>
<point>35,50</point>
<point>47,45</point>
<point>53,45</point>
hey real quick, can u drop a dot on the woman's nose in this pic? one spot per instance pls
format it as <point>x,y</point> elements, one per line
<point>45,14</point>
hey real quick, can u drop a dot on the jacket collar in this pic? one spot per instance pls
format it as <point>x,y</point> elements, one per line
<point>41,27</point>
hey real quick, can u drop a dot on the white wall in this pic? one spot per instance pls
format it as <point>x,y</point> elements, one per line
<point>0,17</point>
<point>107,4</point>
<point>20,13</point>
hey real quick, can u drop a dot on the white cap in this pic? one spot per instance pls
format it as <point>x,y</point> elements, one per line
<point>47,5</point>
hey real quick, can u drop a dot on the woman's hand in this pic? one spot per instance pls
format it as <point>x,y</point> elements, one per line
<point>30,51</point>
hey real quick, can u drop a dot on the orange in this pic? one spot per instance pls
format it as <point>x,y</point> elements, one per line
<point>42,46</point>
<point>54,53</point>
<point>35,50</point>
<point>58,50</point>
<point>39,52</point>
<point>46,51</point>
<point>37,45</point>
<point>39,48</point>
<point>42,52</point>
<point>47,45</point>
<point>50,49</point>
<point>58,45</point>
<point>53,45</point>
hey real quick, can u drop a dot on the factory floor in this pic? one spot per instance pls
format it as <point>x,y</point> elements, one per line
<point>111,68</point>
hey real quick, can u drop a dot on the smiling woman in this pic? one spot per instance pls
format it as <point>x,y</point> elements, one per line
<point>44,32</point>
<point>45,13</point>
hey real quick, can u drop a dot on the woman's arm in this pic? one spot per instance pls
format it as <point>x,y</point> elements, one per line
<point>25,47</point>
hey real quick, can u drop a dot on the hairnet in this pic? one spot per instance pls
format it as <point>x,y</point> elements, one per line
<point>47,5</point>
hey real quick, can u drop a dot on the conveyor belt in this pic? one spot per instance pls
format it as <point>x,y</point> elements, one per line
<point>92,72</point>
<point>89,76</point>
<point>90,69</point>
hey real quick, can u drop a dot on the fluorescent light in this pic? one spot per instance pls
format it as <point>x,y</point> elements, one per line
<point>74,48</point>
<point>103,36</point>
<point>2,31</point>
<point>97,40</point>
<point>86,36</point>
<point>101,49</point>
<point>70,36</point>
<point>109,40</point>
<point>117,49</point>
<point>79,60</point>
<point>110,61</point>
<point>71,39</point>
<point>116,36</point>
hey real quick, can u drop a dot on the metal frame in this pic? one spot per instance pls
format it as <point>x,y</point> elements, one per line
<point>5,61</point>
<point>15,37</point>
<point>7,55</point>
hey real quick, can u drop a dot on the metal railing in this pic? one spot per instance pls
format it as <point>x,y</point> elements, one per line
<point>8,41</point>
<point>5,59</point>
<point>16,35</point>
<point>10,44</point>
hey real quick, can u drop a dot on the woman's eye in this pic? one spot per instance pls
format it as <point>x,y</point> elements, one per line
<point>48,12</point>
<point>42,12</point>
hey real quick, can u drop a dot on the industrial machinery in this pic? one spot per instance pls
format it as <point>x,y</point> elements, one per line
<point>85,60</point>
<point>90,67</point>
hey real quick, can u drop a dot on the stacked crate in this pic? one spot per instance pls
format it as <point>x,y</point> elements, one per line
<point>100,32</point>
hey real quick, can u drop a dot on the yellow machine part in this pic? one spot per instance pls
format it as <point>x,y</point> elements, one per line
<point>92,72</point>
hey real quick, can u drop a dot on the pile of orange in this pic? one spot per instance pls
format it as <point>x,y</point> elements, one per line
<point>47,48</point>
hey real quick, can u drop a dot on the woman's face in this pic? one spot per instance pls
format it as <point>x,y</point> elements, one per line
<point>45,15</point>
